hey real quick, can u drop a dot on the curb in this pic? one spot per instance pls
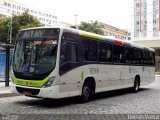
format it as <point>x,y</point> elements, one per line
<point>9,94</point>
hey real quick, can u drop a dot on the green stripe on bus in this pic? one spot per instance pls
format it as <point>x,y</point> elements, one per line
<point>30,83</point>
<point>82,75</point>
<point>91,35</point>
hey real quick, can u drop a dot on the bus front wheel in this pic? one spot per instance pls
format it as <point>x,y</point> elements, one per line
<point>86,92</point>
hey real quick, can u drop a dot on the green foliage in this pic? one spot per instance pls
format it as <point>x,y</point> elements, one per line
<point>3,29</point>
<point>22,21</point>
<point>94,27</point>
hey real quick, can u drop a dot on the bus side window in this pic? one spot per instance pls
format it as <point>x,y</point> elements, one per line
<point>89,50</point>
<point>127,55</point>
<point>131,56</point>
<point>73,50</point>
<point>63,55</point>
<point>118,54</point>
<point>68,53</point>
<point>145,57</point>
<point>137,56</point>
<point>105,52</point>
<point>153,58</point>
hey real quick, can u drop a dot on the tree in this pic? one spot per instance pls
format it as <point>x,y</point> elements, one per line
<point>20,22</point>
<point>94,27</point>
<point>3,29</point>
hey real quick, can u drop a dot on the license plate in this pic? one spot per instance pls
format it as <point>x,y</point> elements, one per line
<point>27,93</point>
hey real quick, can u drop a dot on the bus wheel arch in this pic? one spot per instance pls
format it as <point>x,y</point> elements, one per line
<point>88,89</point>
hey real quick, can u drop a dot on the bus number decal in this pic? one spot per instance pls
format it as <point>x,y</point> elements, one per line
<point>94,70</point>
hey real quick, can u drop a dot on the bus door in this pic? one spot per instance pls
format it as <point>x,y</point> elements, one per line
<point>69,65</point>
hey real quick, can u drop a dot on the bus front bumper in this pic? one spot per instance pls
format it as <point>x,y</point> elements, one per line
<point>49,92</point>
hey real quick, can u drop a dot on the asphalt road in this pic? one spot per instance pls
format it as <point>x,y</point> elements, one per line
<point>146,101</point>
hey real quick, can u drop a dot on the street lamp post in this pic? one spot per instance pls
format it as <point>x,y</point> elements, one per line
<point>9,25</point>
<point>76,20</point>
<point>10,37</point>
<point>8,53</point>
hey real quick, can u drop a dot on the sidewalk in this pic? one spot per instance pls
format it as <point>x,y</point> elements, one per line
<point>6,91</point>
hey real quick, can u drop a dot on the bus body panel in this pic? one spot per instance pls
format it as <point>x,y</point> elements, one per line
<point>104,80</point>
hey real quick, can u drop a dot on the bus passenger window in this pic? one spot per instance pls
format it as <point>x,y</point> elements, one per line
<point>68,53</point>
<point>118,54</point>
<point>137,56</point>
<point>90,50</point>
<point>105,52</point>
<point>73,50</point>
<point>127,55</point>
<point>63,53</point>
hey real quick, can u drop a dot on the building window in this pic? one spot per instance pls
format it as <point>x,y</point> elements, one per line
<point>137,13</point>
<point>9,5</point>
<point>5,3</point>
<point>137,4</point>
<point>106,33</point>
<point>145,22</point>
<point>13,6</point>
<point>154,21</point>
<point>129,38</point>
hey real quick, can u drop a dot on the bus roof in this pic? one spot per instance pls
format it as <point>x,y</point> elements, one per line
<point>96,36</point>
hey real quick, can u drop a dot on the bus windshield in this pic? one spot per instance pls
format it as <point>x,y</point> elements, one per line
<point>35,56</point>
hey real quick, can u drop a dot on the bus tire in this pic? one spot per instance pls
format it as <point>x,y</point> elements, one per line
<point>86,92</point>
<point>136,84</point>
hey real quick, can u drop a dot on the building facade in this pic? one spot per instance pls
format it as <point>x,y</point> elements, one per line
<point>116,32</point>
<point>10,7</point>
<point>146,25</point>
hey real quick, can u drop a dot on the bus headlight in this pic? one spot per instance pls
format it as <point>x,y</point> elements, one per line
<point>50,81</point>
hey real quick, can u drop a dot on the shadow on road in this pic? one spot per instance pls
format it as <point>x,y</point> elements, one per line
<point>57,103</point>
<point>116,93</point>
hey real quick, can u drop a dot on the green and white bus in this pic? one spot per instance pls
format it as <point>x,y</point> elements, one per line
<point>64,62</point>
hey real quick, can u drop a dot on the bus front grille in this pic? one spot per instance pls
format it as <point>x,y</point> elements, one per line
<point>28,90</point>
